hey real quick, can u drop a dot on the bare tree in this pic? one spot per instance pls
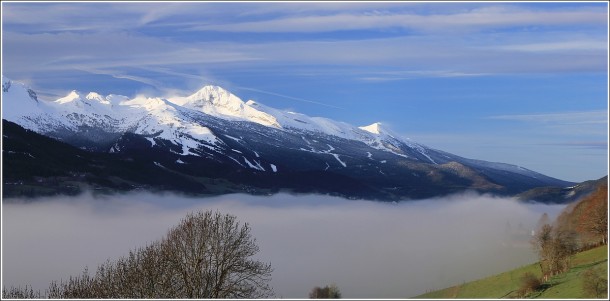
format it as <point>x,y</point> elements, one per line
<point>139,275</point>
<point>554,248</point>
<point>208,255</point>
<point>76,287</point>
<point>20,293</point>
<point>544,220</point>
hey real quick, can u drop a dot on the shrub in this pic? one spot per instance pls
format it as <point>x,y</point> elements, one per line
<point>594,284</point>
<point>529,284</point>
<point>327,292</point>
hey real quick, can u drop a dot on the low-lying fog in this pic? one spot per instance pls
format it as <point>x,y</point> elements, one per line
<point>368,249</point>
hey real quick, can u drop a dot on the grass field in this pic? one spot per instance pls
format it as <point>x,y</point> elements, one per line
<point>504,285</point>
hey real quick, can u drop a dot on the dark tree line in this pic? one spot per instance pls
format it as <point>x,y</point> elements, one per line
<point>208,255</point>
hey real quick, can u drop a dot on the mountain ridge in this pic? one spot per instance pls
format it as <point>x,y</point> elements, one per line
<point>216,126</point>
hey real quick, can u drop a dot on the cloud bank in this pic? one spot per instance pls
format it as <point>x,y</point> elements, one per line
<point>369,249</point>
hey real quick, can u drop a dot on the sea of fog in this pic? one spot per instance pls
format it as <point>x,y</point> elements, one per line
<point>368,249</point>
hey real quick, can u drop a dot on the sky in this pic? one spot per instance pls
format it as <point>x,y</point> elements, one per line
<point>513,82</point>
<point>368,249</point>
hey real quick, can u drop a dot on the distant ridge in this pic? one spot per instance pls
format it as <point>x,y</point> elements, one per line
<point>213,134</point>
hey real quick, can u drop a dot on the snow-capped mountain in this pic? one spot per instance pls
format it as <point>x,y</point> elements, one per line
<point>213,126</point>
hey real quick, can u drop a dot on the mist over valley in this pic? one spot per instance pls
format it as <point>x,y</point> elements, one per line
<point>368,249</point>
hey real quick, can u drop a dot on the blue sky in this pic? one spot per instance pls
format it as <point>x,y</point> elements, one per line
<point>521,83</point>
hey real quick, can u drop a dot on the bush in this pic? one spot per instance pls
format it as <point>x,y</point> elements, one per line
<point>594,284</point>
<point>529,284</point>
<point>327,292</point>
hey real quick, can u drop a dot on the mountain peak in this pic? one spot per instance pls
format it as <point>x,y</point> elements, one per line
<point>17,99</point>
<point>213,94</point>
<point>72,96</point>
<point>97,97</point>
<point>375,128</point>
<point>217,101</point>
<point>93,95</point>
<point>212,88</point>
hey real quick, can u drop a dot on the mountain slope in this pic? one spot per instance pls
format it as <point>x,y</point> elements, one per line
<point>562,195</point>
<point>34,165</point>
<point>260,145</point>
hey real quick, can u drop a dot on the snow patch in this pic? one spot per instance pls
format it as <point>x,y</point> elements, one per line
<point>233,138</point>
<point>115,149</point>
<point>328,152</point>
<point>236,161</point>
<point>151,140</point>
<point>337,157</point>
<point>273,167</point>
<point>257,166</point>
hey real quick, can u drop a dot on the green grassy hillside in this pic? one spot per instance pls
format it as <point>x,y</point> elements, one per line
<point>568,285</point>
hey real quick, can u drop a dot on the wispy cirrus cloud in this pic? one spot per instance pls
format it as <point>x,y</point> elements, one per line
<point>599,145</point>
<point>475,19</point>
<point>122,75</point>
<point>573,45</point>
<point>291,97</point>
<point>580,129</point>
<point>467,39</point>
<point>568,118</point>
<point>382,76</point>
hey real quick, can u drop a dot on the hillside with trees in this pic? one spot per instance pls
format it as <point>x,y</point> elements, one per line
<point>588,218</point>
<point>573,258</point>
